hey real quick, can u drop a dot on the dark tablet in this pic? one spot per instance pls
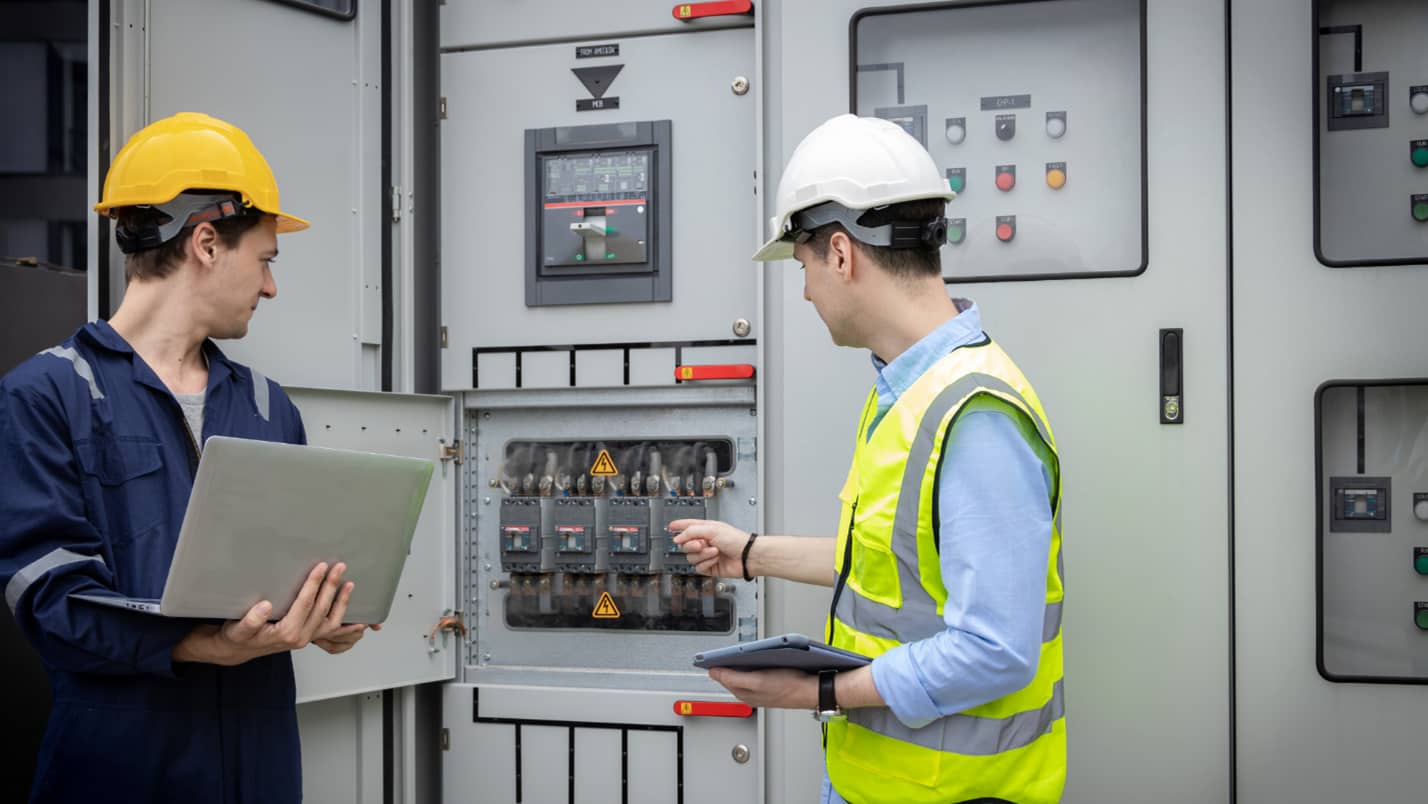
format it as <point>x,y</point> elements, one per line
<point>790,650</point>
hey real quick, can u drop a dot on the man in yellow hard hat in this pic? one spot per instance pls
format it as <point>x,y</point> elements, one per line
<point>99,439</point>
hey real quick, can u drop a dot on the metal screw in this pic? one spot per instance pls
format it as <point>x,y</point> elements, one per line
<point>486,566</point>
<point>486,415</point>
<point>486,657</point>
<point>740,753</point>
<point>740,86</point>
<point>493,483</point>
<point>486,500</point>
<point>721,587</point>
<point>495,584</point>
<point>742,327</point>
<point>753,501</point>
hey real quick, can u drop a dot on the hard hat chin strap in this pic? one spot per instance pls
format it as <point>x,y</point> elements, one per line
<point>930,233</point>
<point>151,226</point>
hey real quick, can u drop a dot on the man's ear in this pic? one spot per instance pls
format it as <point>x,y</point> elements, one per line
<point>203,244</point>
<point>840,253</point>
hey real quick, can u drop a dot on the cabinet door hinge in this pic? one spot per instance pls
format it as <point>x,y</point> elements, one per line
<point>452,452</point>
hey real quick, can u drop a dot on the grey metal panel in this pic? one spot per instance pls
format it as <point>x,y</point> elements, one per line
<point>496,370</point>
<point>1300,737</point>
<point>479,763</point>
<point>471,23</point>
<point>545,370</point>
<point>682,78</point>
<point>654,768</point>
<point>1140,498</point>
<point>605,367</point>
<point>597,766</point>
<point>651,367</point>
<point>545,764</point>
<point>399,654</point>
<point>319,135</point>
<point>342,749</point>
<point>1365,176</point>
<point>647,660</point>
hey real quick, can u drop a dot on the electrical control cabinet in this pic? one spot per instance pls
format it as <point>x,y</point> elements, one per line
<point>1373,531</point>
<point>1048,162</point>
<point>1371,132</point>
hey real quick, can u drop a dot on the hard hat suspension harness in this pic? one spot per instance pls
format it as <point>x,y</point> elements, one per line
<point>151,226</point>
<point>925,234</point>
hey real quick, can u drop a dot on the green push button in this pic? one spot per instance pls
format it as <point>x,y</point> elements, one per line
<point>580,258</point>
<point>1420,618</point>
<point>1420,211</point>
<point>956,233</point>
<point>1420,156</point>
<point>1420,563</point>
<point>957,182</point>
<point>610,256</point>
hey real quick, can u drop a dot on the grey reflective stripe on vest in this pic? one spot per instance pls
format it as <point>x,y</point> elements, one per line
<point>918,617</point>
<point>968,735</point>
<point>81,367</point>
<point>53,560</point>
<point>260,393</point>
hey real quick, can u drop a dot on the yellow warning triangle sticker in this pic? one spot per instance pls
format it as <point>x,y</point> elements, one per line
<point>604,467</point>
<point>606,609</point>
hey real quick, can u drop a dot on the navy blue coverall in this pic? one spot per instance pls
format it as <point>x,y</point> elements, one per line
<point>96,467</point>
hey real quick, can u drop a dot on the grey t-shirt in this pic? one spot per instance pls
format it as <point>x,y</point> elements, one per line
<point>192,405</point>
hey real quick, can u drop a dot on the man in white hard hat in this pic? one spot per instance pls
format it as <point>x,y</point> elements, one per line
<point>946,568</point>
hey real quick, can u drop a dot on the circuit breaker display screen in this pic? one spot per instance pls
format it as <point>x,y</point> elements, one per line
<point>595,210</point>
<point>1035,114</point>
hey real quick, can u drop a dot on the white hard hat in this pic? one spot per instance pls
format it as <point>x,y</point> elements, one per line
<point>856,163</point>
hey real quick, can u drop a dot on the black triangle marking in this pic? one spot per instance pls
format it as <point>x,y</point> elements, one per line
<point>597,80</point>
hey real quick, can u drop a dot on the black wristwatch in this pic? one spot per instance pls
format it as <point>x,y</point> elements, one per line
<point>827,700</point>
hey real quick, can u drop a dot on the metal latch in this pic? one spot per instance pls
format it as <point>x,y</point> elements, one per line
<point>452,452</point>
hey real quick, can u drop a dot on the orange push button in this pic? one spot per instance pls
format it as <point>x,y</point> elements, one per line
<point>712,709</point>
<point>1056,175</point>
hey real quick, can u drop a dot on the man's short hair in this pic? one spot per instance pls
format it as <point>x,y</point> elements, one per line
<point>160,261</point>
<point>903,263</point>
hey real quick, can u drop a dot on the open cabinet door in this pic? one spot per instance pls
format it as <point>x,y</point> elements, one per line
<point>405,652</point>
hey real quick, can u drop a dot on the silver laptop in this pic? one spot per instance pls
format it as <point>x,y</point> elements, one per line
<point>262,515</point>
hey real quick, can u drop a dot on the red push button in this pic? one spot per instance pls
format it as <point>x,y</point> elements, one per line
<point>735,371</point>
<point>712,709</point>
<point>693,11</point>
<point>1006,228</point>
<point>1006,177</point>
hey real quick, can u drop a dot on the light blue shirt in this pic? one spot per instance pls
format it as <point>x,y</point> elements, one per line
<point>995,530</point>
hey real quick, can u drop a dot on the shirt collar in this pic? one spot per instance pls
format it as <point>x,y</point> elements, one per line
<point>220,369</point>
<point>896,377</point>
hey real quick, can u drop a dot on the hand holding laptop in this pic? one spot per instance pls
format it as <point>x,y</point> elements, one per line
<point>314,617</point>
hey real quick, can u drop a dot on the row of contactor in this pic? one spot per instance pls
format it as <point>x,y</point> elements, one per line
<point>597,534</point>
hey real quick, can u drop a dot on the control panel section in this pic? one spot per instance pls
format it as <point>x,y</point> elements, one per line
<point>1373,531</point>
<point>1008,146</point>
<point>598,214</point>
<point>1370,85</point>
<point>672,510</point>
<point>628,525</point>
<point>573,521</point>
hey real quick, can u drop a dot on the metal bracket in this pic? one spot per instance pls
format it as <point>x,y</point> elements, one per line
<point>452,452</point>
<point>396,203</point>
<point>450,621</point>
<point>441,107</point>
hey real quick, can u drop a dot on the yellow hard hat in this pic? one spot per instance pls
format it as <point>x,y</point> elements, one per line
<point>192,151</point>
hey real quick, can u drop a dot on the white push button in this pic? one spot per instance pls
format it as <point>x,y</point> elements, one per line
<point>956,133</point>
<point>1420,510</point>
<point>1419,102</point>
<point>1056,127</point>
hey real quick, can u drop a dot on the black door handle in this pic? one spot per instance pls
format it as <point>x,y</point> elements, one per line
<point>1172,389</point>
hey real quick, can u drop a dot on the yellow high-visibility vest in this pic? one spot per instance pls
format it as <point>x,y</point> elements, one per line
<point>1012,748</point>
